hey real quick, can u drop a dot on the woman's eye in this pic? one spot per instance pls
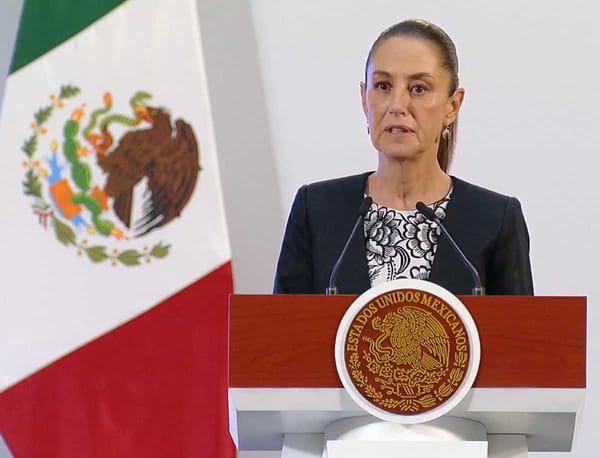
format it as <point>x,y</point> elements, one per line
<point>382,86</point>
<point>418,89</point>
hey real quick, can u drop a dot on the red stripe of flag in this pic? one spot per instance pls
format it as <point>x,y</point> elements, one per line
<point>153,387</point>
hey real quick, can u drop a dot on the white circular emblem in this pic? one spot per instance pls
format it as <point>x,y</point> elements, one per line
<point>407,351</point>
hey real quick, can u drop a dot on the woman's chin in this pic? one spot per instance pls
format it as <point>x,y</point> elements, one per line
<point>400,155</point>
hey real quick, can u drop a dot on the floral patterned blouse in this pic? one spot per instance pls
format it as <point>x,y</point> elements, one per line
<point>401,243</point>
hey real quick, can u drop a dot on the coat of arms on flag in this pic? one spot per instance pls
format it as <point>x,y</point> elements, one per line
<point>82,177</point>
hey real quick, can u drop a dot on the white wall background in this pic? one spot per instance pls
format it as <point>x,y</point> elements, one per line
<point>284,78</point>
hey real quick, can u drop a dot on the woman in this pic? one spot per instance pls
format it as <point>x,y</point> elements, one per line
<point>411,100</point>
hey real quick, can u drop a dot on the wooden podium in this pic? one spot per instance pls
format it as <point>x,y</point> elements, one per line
<point>284,388</point>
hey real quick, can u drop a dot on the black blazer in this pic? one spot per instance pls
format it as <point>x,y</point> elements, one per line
<point>489,227</point>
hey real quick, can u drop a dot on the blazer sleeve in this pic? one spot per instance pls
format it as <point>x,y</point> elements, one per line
<point>509,271</point>
<point>294,274</point>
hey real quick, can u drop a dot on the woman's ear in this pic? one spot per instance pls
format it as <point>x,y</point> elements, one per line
<point>454,103</point>
<point>363,97</point>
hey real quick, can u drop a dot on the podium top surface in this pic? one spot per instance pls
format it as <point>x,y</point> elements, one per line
<point>288,340</point>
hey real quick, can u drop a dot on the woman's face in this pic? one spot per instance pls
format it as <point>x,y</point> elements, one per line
<point>406,99</point>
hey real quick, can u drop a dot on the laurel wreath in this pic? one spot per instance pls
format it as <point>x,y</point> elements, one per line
<point>427,400</point>
<point>32,186</point>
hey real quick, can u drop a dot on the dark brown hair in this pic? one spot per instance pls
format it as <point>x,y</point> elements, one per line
<point>423,30</point>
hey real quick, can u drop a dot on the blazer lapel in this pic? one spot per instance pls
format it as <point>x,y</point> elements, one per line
<point>353,277</point>
<point>356,278</point>
<point>448,270</point>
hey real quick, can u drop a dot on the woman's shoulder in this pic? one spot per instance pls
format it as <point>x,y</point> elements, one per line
<point>339,195</point>
<point>479,194</point>
<point>485,204</point>
<point>348,183</point>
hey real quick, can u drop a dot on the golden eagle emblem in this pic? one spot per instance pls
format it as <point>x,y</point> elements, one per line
<point>410,336</point>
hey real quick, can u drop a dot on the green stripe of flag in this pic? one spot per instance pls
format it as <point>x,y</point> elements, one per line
<point>47,23</point>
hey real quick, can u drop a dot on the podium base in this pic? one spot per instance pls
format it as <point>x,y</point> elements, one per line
<point>365,437</point>
<point>391,449</point>
<point>450,437</point>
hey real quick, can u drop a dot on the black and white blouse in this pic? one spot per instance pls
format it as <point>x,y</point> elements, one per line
<point>401,243</point>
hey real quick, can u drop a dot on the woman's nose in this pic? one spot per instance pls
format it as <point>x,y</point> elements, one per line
<point>399,101</point>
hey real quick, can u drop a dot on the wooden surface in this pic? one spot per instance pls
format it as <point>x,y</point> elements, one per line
<point>288,340</point>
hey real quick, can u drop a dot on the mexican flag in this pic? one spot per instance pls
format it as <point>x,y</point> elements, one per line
<point>114,249</point>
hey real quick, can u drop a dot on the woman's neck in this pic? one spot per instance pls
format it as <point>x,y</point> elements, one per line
<point>401,184</point>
